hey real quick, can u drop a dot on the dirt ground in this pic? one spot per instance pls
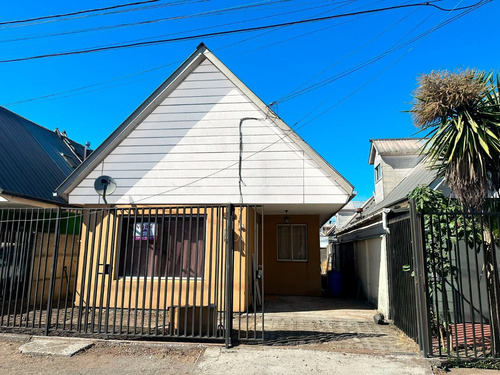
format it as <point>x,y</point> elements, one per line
<point>103,358</point>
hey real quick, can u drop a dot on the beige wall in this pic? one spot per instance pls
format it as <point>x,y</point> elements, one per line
<point>43,258</point>
<point>292,278</point>
<point>153,292</point>
<point>371,268</point>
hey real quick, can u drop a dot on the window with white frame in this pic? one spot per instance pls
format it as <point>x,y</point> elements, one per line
<point>292,242</point>
<point>378,172</point>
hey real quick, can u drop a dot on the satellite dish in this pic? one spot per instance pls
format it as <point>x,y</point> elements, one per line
<point>104,185</point>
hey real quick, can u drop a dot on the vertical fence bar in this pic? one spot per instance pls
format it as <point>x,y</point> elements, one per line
<point>14,279</point>
<point>6,262</point>
<point>495,324</point>
<point>77,214</point>
<point>181,273</point>
<point>138,275</point>
<point>53,272</point>
<point>470,278</point>
<point>131,276</point>
<point>229,275</point>
<point>104,274</point>
<point>19,263</point>
<point>167,224</point>
<point>47,247</point>
<point>195,286</point>
<point>452,283</point>
<point>63,268</point>
<point>217,281</point>
<point>263,320</point>
<point>444,295</point>
<point>146,268</point>
<point>6,259</point>
<point>421,292</point>
<point>28,269</point>
<point>203,261</point>
<point>161,232</point>
<point>173,307</point>
<point>84,302</point>
<point>458,262</point>
<point>211,227</point>
<point>111,270</point>
<point>153,272</point>
<point>117,276</point>
<point>32,267</point>
<point>188,271</point>
<point>123,276</point>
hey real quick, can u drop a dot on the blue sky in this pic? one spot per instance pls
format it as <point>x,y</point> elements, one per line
<point>368,64</point>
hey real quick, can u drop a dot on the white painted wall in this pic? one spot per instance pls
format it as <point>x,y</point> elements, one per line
<point>379,185</point>
<point>371,267</point>
<point>187,152</point>
<point>394,170</point>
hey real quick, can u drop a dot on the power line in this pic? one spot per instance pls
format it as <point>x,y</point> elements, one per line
<point>140,23</point>
<point>86,11</point>
<point>105,13</point>
<point>288,132</point>
<point>439,25</point>
<point>226,32</point>
<point>372,60</point>
<point>76,90</point>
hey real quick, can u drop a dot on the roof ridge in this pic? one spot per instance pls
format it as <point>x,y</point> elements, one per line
<point>34,123</point>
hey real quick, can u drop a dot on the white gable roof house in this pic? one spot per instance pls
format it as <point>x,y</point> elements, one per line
<point>204,138</point>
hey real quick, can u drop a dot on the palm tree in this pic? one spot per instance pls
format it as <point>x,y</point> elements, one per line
<point>460,112</point>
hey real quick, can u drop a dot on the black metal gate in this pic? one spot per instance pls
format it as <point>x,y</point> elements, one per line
<point>151,272</point>
<point>456,267</point>
<point>401,281</point>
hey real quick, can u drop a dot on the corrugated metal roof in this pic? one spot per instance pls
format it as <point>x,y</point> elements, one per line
<point>395,146</point>
<point>419,175</point>
<point>32,158</point>
<point>398,146</point>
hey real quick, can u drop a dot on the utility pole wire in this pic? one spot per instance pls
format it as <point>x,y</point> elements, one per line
<point>227,32</point>
<point>76,13</point>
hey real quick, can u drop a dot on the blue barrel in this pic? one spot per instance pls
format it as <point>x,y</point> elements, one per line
<point>335,283</point>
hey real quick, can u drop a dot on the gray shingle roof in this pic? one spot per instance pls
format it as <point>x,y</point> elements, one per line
<point>33,159</point>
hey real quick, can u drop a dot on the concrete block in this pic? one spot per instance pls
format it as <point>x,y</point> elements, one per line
<point>64,347</point>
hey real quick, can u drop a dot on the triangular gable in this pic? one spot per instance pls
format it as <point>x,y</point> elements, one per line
<point>173,124</point>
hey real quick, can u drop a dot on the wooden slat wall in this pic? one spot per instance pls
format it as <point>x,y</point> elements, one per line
<point>187,152</point>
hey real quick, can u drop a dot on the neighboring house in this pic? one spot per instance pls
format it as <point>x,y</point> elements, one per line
<point>33,162</point>
<point>362,239</point>
<point>203,138</point>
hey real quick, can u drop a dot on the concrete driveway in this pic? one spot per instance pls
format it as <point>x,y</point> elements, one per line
<point>331,324</point>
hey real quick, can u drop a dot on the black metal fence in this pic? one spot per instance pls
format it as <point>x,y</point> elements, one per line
<point>458,280</point>
<point>155,272</point>
<point>401,282</point>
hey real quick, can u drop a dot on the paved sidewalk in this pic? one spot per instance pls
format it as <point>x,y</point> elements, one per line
<point>258,360</point>
<point>126,357</point>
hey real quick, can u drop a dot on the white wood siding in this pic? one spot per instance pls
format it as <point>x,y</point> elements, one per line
<point>187,152</point>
